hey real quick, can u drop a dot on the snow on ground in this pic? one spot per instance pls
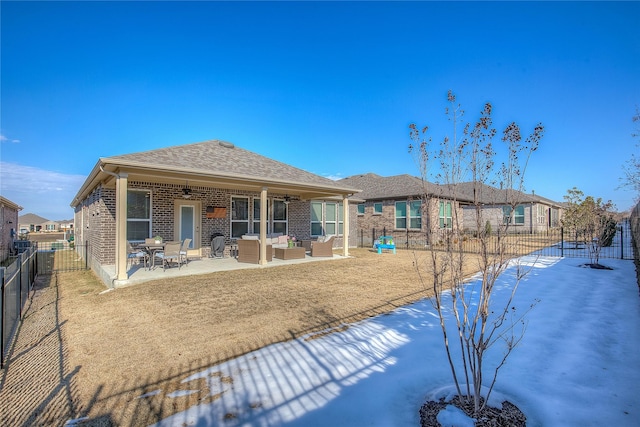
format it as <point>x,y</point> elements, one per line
<point>578,364</point>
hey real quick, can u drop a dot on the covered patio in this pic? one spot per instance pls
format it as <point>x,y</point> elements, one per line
<point>137,273</point>
<point>197,191</point>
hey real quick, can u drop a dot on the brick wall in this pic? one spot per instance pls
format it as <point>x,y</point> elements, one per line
<point>95,216</point>
<point>9,222</point>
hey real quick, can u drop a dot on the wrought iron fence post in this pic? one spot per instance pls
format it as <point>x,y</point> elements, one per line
<point>621,242</point>
<point>562,241</point>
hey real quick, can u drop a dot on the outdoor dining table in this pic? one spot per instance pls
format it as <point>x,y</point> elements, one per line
<point>152,249</point>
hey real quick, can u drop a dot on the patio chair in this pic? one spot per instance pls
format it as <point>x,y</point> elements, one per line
<point>184,250</point>
<point>170,254</point>
<point>133,253</point>
<point>323,248</point>
<point>249,251</point>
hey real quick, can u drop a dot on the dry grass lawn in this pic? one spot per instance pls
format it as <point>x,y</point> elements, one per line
<point>147,337</point>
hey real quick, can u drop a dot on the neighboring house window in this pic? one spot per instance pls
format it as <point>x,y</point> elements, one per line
<point>414,218</point>
<point>360,208</point>
<point>401,214</point>
<point>138,214</point>
<point>516,217</point>
<point>444,215</point>
<point>326,218</point>
<point>542,217</point>
<point>239,216</point>
<point>415,214</point>
<point>377,208</point>
<point>280,217</point>
<point>50,227</point>
<point>256,216</point>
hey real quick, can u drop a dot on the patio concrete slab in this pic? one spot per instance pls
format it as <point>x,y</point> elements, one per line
<point>139,274</point>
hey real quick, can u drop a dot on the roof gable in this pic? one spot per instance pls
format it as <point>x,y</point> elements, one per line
<point>223,158</point>
<point>217,163</point>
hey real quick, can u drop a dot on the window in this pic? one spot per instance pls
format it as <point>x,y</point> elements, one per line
<point>316,219</point>
<point>326,218</point>
<point>256,216</point>
<point>239,216</point>
<point>280,217</point>
<point>331,219</point>
<point>401,214</point>
<point>138,215</point>
<point>542,217</point>
<point>444,215</point>
<point>360,208</point>
<point>377,208</point>
<point>414,218</point>
<point>415,214</point>
<point>516,217</point>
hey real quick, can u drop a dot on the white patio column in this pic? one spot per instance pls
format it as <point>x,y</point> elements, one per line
<point>345,226</point>
<point>121,226</point>
<point>263,226</point>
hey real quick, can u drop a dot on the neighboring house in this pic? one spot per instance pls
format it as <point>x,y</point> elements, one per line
<point>32,223</point>
<point>406,207</point>
<point>198,190</point>
<point>532,213</point>
<point>396,205</point>
<point>8,225</point>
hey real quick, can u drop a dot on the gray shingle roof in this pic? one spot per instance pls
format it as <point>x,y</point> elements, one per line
<point>222,158</point>
<point>376,187</point>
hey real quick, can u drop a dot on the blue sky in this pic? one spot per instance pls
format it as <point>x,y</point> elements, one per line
<point>328,87</point>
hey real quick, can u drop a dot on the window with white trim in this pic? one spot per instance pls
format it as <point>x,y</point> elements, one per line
<point>541,214</point>
<point>138,215</point>
<point>326,219</point>
<point>360,208</point>
<point>239,216</point>
<point>256,216</point>
<point>513,217</point>
<point>445,215</point>
<point>401,214</point>
<point>377,208</point>
<point>331,219</point>
<point>280,217</point>
<point>415,214</point>
<point>316,219</point>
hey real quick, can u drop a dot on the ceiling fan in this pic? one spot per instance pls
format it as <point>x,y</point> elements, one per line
<point>186,191</point>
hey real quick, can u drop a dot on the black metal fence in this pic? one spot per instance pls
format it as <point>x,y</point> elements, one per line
<point>55,257</point>
<point>554,242</point>
<point>16,281</point>
<point>18,276</point>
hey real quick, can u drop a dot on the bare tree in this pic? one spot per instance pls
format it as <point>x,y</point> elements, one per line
<point>631,168</point>
<point>467,161</point>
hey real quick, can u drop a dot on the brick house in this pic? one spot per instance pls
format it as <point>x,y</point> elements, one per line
<point>8,226</point>
<point>196,190</point>
<point>406,207</point>
<point>396,205</point>
<point>532,214</point>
